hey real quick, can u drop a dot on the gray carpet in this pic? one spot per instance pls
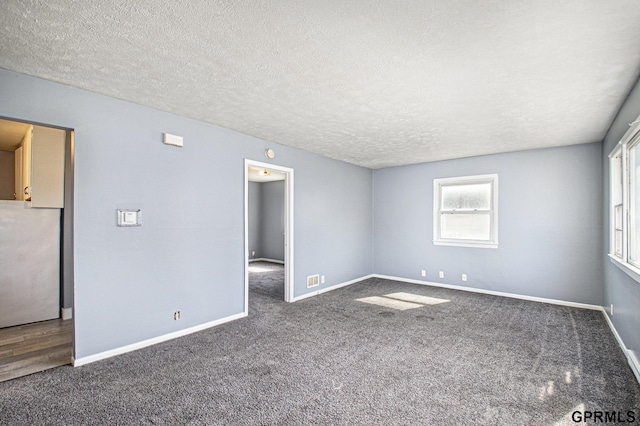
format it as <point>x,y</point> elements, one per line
<point>452,358</point>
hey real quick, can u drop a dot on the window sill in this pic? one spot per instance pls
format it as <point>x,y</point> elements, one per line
<point>465,244</point>
<point>628,269</point>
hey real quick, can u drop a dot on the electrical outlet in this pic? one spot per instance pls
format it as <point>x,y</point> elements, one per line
<point>253,253</point>
<point>612,309</point>
<point>322,279</point>
<point>441,274</point>
<point>464,277</point>
<point>176,315</point>
<point>424,273</point>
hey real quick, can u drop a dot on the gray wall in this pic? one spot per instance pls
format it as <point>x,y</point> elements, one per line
<point>266,220</point>
<point>272,223</point>
<point>189,253</point>
<point>620,290</point>
<point>254,217</point>
<point>7,175</point>
<point>550,224</point>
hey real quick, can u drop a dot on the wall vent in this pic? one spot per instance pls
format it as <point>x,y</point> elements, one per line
<point>313,280</point>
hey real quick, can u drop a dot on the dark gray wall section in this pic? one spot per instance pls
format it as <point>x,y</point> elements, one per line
<point>272,224</point>
<point>254,225</point>
<point>67,235</point>
<point>189,252</point>
<point>620,290</point>
<point>550,224</point>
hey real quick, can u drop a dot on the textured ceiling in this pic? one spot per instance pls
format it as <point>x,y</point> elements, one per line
<point>375,83</point>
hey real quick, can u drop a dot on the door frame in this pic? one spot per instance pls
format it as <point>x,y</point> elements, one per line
<point>288,228</point>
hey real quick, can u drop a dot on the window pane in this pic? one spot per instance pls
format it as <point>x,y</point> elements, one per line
<point>472,196</point>
<point>616,179</point>
<point>475,226</point>
<point>618,243</point>
<point>617,212</point>
<point>616,202</point>
<point>634,204</point>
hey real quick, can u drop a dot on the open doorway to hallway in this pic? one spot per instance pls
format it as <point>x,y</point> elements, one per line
<point>268,230</point>
<point>36,254</point>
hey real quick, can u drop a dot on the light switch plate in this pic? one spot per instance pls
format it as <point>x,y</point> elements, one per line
<point>129,217</point>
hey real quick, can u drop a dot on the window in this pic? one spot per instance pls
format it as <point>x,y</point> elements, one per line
<point>624,202</point>
<point>465,211</point>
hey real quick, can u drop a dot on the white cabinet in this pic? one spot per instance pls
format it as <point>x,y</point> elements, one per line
<point>47,167</point>
<point>40,175</point>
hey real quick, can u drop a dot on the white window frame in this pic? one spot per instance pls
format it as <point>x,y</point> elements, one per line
<point>492,242</point>
<point>630,140</point>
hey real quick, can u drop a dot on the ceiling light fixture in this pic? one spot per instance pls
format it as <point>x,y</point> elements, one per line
<point>264,172</point>
<point>269,153</point>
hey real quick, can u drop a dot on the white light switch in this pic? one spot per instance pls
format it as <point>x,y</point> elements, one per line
<point>129,218</point>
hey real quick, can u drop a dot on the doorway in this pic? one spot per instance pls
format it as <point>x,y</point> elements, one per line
<point>256,172</point>
<point>36,278</point>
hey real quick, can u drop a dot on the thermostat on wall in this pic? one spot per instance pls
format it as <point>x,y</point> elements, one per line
<point>129,217</point>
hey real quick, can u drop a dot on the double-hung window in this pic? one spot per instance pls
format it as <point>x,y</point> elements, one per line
<point>465,211</point>
<point>624,202</point>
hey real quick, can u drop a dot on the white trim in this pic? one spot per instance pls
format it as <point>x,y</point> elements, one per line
<point>66,313</point>
<point>493,210</point>
<point>288,228</point>
<point>627,268</point>
<point>264,259</point>
<point>333,287</point>
<point>632,359</point>
<point>77,362</point>
<point>463,244</point>
<point>493,293</point>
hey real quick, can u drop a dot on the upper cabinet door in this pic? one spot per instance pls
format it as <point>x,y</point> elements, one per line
<point>47,167</point>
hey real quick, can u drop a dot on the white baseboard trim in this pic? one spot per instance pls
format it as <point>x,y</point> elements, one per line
<point>264,259</point>
<point>143,344</point>
<point>67,313</point>
<point>493,293</point>
<point>333,287</point>
<point>632,359</point>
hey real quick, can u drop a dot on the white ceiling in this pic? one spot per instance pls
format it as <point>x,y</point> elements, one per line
<point>374,83</point>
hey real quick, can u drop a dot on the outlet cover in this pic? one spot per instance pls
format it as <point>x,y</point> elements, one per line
<point>464,277</point>
<point>424,273</point>
<point>441,274</point>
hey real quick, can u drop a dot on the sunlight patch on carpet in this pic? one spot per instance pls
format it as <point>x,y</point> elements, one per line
<point>402,301</point>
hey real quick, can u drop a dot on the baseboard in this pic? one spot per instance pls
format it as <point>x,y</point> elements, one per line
<point>333,287</point>
<point>632,359</point>
<point>67,313</point>
<point>143,344</point>
<point>493,293</point>
<point>264,259</point>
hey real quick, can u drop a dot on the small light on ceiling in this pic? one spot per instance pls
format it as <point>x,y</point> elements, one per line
<point>269,153</point>
<point>264,172</point>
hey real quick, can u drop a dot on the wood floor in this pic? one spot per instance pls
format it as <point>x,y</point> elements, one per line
<point>30,348</point>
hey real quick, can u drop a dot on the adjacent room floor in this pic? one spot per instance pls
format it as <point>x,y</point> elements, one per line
<point>30,348</point>
<point>375,352</point>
